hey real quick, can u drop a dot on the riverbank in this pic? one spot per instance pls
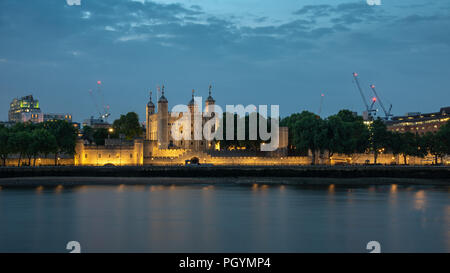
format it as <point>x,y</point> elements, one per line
<point>178,181</point>
<point>301,175</point>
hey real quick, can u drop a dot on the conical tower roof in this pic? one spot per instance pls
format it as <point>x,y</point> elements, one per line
<point>162,99</point>
<point>210,99</point>
<point>150,102</point>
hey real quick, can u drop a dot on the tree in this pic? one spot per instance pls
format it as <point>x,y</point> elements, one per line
<point>396,143</point>
<point>65,135</point>
<point>379,138</point>
<point>20,142</point>
<point>5,148</point>
<point>100,135</point>
<point>444,137</point>
<point>88,134</point>
<point>346,133</point>
<point>252,145</point>
<point>434,145</point>
<point>43,143</point>
<point>128,125</point>
<point>307,132</point>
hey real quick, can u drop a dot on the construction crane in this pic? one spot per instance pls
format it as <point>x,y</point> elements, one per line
<point>387,114</point>
<point>103,113</point>
<point>370,110</point>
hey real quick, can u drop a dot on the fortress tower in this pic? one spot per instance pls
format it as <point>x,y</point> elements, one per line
<point>163,122</point>
<point>149,121</point>
<point>210,101</point>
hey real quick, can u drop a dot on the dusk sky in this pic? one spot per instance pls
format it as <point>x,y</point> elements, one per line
<point>285,52</point>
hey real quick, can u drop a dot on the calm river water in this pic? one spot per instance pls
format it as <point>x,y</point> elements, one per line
<point>225,218</point>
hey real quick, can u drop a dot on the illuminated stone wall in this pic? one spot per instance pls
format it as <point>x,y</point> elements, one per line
<point>146,153</point>
<point>117,155</point>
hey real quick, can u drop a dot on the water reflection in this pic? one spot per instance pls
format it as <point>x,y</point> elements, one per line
<point>59,189</point>
<point>205,218</point>
<point>420,200</point>
<point>39,189</point>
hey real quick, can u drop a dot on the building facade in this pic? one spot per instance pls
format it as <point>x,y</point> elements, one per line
<point>160,147</point>
<point>25,109</point>
<point>160,123</point>
<point>53,117</point>
<point>418,122</point>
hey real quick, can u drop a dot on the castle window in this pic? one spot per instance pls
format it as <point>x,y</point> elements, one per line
<point>131,155</point>
<point>99,155</point>
<point>85,155</point>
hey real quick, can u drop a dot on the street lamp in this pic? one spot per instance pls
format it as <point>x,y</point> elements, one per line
<point>110,131</point>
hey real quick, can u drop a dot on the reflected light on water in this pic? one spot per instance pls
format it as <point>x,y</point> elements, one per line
<point>1,188</point>
<point>59,189</point>
<point>255,187</point>
<point>419,200</point>
<point>282,187</point>
<point>264,187</point>
<point>393,189</point>
<point>331,188</point>
<point>211,187</point>
<point>39,189</point>
<point>447,226</point>
<point>139,188</point>
<point>121,188</point>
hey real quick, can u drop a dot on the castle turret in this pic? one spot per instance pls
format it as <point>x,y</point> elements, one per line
<point>149,124</point>
<point>192,105</point>
<point>210,101</point>
<point>163,122</point>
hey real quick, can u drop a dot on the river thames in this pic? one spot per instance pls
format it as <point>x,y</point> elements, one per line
<point>225,218</point>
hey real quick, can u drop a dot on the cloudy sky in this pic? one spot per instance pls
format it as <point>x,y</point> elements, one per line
<point>285,52</point>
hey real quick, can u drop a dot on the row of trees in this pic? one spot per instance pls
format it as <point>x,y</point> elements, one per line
<point>346,133</point>
<point>30,141</point>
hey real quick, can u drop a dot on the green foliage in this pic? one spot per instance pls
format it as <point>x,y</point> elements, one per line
<point>444,137</point>
<point>433,143</point>
<point>5,147</point>
<point>249,144</point>
<point>100,135</point>
<point>379,138</point>
<point>307,131</point>
<point>20,141</point>
<point>88,134</point>
<point>128,125</point>
<point>29,140</point>
<point>346,134</point>
<point>43,142</point>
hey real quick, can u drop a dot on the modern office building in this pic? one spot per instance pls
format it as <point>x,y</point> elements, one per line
<point>25,109</point>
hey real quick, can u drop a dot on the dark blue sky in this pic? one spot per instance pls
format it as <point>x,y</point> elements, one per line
<point>253,52</point>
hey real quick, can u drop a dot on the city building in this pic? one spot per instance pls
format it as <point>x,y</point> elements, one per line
<point>25,109</point>
<point>416,122</point>
<point>96,123</point>
<point>53,117</point>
